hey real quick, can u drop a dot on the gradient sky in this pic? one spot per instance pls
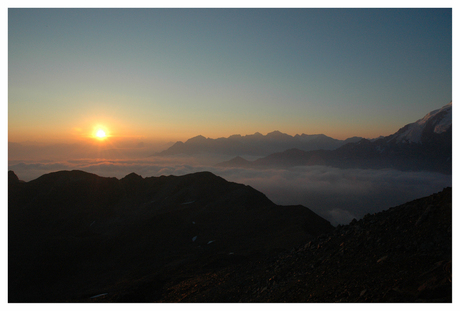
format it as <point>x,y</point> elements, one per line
<point>176,73</point>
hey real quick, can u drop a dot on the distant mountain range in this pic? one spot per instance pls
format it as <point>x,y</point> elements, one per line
<point>423,145</point>
<point>255,144</point>
<point>75,235</point>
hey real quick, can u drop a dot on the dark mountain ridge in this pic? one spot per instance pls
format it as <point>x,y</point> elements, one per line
<point>73,234</point>
<point>423,145</point>
<point>255,144</point>
<point>78,237</point>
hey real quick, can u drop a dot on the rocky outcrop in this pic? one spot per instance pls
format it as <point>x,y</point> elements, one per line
<point>403,254</point>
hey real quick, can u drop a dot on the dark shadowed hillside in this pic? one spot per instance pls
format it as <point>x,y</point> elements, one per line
<point>403,254</point>
<point>73,235</point>
<point>78,237</point>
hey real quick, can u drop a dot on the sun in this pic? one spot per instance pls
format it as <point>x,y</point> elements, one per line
<point>101,134</point>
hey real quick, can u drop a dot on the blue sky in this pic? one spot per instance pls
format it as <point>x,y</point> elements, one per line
<point>176,73</point>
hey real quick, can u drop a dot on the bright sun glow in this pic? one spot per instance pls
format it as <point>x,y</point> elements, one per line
<point>100,134</point>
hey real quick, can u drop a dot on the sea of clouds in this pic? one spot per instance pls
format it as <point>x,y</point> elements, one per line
<point>339,195</point>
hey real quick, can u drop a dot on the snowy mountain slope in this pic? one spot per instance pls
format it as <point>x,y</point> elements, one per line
<point>437,121</point>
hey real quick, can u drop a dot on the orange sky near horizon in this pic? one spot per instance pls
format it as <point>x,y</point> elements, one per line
<point>117,131</point>
<point>172,74</point>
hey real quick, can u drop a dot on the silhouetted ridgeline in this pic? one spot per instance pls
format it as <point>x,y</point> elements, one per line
<point>78,237</point>
<point>255,144</point>
<point>73,234</point>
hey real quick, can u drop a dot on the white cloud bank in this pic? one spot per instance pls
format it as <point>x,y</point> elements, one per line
<point>338,195</point>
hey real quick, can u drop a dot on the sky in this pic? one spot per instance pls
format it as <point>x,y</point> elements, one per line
<point>172,74</point>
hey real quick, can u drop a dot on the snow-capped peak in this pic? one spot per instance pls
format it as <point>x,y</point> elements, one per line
<point>413,132</point>
<point>446,121</point>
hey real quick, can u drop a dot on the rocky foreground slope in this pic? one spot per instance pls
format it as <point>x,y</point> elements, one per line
<point>403,254</point>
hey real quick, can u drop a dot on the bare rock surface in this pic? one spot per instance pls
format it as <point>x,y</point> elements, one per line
<point>403,254</point>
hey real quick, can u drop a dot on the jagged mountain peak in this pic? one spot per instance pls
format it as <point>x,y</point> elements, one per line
<point>254,144</point>
<point>436,121</point>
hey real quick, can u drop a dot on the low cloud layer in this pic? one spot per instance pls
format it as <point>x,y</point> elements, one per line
<point>338,195</point>
<point>341,195</point>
